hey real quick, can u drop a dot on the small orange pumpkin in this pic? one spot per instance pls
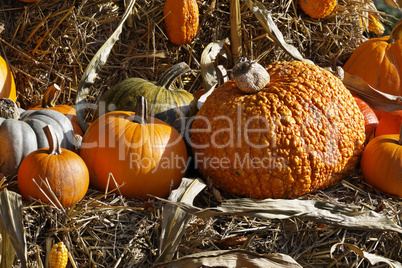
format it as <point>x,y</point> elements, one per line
<point>389,123</point>
<point>144,154</point>
<point>49,100</point>
<point>181,20</point>
<point>381,163</point>
<point>65,171</point>
<point>7,84</point>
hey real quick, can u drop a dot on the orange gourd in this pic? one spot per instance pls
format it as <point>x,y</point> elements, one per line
<point>142,154</point>
<point>381,163</point>
<point>181,20</point>
<point>317,9</point>
<point>378,61</point>
<point>302,132</point>
<point>389,123</point>
<point>7,84</point>
<point>65,171</point>
<point>49,100</point>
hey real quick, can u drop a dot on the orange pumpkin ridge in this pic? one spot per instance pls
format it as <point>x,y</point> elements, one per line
<point>381,163</point>
<point>378,61</point>
<point>65,171</point>
<point>143,159</point>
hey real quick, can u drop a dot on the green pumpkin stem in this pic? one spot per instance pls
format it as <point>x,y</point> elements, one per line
<point>50,96</point>
<point>9,109</point>
<point>172,74</point>
<point>396,33</point>
<point>140,116</point>
<point>53,140</point>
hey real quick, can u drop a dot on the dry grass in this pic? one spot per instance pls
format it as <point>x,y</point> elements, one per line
<point>53,41</point>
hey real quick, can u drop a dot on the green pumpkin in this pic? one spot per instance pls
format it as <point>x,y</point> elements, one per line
<point>164,102</point>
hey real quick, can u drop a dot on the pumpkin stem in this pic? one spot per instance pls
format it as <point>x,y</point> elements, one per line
<point>171,74</point>
<point>9,109</point>
<point>50,96</point>
<point>396,33</point>
<point>53,140</point>
<point>140,116</point>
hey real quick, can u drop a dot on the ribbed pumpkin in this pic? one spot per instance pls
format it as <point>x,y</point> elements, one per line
<point>378,61</point>
<point>49,100</point>
<point>65,171</point>
<point>381,163</point>
<point>165,102</point>
<point>181,20</point>
<point>20,134</point>
<point>317,9</point>
<point>302,132</point>
<point>7,84</point>
<point>143,155</point>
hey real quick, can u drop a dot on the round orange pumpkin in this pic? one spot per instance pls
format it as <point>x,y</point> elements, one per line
<point>181,20</point>
<point>390,123</point>
<point>381,163</point>
<point>142,154</point>
<point>65,171</point>
<point>378,61</point>
<point>7,84</point>
<point>49,100</point>
<point>302,132</point>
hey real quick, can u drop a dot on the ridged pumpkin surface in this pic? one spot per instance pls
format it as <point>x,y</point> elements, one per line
<point>300,133</point>
<point>317,9</point>
<point>181,20</point>
<point>378,61</point>
<point>147,158</point>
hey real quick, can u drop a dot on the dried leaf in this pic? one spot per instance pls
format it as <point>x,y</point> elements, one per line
<point>11,218</point>
<point>222,77</point>
<point>6,249</point>
<point>314,210</point>
<point>232,258</point>
<point>266,21</point>
<point>372,258</point>
<point>378,100</point>
<point>174,219</point>
<point>394,3</point>
<point>96,64</point>
<point>208,57</point>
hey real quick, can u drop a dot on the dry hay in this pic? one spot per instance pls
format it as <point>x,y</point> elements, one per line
<point>53,41</point>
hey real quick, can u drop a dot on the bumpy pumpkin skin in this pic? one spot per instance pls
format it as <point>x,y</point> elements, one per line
<point>317,9</point>
<point>181,20</point>
<point>146,158</point>
<point>300,133</point>
<point>378,61</point>
<point>7,84</point>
